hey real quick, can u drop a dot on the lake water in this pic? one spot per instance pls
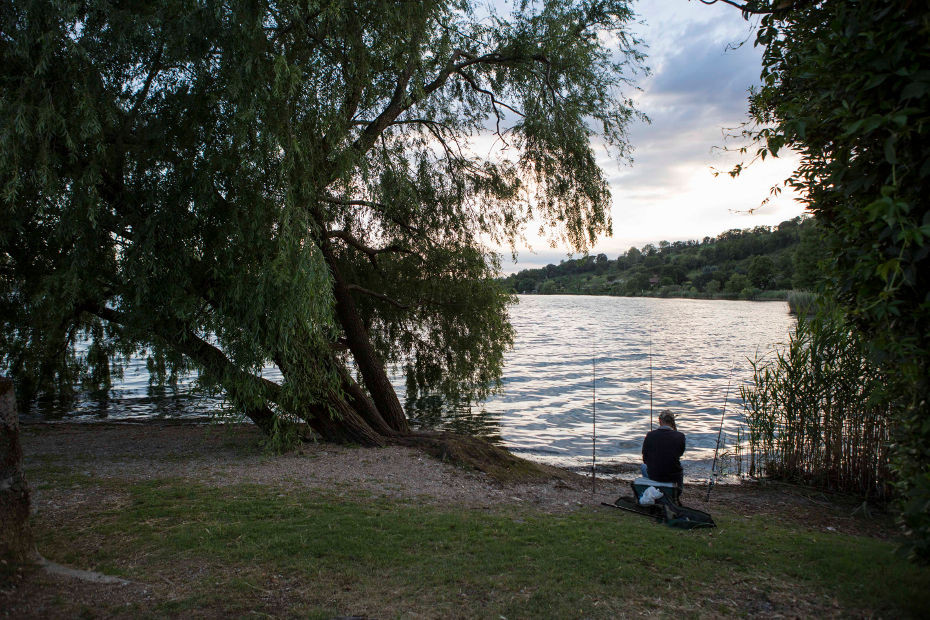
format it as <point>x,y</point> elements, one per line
<point>698,347</point>
<point>566,348</point>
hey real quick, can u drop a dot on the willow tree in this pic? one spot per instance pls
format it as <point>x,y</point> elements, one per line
<point>317,185</point>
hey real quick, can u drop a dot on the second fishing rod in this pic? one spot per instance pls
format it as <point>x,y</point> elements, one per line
<point>723,413</point>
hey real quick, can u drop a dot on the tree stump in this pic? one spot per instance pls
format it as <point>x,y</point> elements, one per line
<point>16,546</point>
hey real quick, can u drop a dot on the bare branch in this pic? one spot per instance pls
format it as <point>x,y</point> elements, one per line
<point>357,203</point>
<point>377,295</point>
<point>784,5</point>
<point>370,251</point>
<point>494,101</point>
<point>422,121</point>
<point>401,102</point>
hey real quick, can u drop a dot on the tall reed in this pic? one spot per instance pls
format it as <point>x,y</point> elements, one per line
<point>802,302</point>
<point>818,412</point>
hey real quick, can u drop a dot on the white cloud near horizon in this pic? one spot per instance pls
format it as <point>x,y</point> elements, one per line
<point>697,90</point>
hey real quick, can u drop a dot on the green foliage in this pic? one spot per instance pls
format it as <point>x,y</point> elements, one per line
<point>802,302</point>
<point>763,259</point>
<point>762,272</point>
<point>284,436</point>
<point>809,258</point>
<point>197,181</point>
<point>846,84</point>
<point>736,283</point>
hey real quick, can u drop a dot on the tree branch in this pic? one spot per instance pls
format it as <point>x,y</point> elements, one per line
<point>382,208</point>
<point>746,8</point>
<point>394,108</point>
<point>143,94</point>
<point>370,293</point>
<point>401,102</point>
<point>370,251</point>
<point>209,357</point>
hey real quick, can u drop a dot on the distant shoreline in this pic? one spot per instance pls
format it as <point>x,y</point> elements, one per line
<point>695,298</point>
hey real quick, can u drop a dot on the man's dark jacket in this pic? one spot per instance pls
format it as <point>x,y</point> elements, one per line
<point>661,450</point>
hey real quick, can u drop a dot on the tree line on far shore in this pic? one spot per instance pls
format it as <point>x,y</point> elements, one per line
<point>764,262</point>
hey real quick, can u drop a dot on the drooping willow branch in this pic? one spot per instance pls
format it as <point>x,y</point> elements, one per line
<point>361,247</point>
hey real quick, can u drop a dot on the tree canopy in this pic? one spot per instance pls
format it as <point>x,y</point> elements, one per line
<point>846,83</point>
<point>230,184</point>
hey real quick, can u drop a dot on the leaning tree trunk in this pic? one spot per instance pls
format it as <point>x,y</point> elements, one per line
<point>336,419</point>
<point>366,358</point>
<point>340,417</point>
<point>16,546</point>
<point>340,423</point>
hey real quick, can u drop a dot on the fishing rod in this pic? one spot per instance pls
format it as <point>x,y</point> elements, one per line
<point>650,378</point>
<point>713,469</point>
<point>593,422</point>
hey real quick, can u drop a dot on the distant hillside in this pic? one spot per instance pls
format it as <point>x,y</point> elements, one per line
<point>760,263</point>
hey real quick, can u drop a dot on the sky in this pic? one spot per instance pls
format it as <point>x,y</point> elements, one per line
<point>697,89</point>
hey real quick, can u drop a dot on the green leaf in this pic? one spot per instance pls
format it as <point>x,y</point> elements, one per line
<point>890,156</point>
<point>875,80</point>
<point>915,90</point>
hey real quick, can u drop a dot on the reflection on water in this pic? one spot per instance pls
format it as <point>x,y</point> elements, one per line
<point>134,398</point>
<point>698,347</point>
<point>435,412</point>
<point>544,411</point>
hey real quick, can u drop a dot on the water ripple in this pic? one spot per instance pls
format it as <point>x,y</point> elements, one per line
<point>695,347</point>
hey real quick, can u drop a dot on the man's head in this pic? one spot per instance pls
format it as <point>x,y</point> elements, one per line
<point>667,418</point>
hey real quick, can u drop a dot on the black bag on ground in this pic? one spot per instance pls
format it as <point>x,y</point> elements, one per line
<point>666,508</point>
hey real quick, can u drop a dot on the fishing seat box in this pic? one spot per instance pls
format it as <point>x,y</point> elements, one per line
<point>668,489</point>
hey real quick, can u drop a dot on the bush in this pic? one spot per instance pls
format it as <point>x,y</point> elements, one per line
<point>736,283</point>
<point>774,295</point>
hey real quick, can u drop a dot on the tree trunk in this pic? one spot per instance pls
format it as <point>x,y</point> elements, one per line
<point>359,401</point>
<point>210,358</point>
<point>350,427</point>
<point>16,546</point>
<point>366,358</point>
<point>339,419</point>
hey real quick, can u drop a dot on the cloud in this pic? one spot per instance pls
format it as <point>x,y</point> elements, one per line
<point>698,89</point>
<point>703,72</point>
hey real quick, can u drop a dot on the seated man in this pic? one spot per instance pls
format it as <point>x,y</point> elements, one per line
<point>662,450</point>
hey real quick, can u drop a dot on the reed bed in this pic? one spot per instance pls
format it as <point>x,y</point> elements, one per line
<point>801,302</point>
<point>818,412</point>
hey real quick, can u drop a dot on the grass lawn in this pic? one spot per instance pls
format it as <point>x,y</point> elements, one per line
<point>251,549</point>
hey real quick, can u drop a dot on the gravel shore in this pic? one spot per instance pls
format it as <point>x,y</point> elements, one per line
<point>224,455</point>
<point>230,454</point>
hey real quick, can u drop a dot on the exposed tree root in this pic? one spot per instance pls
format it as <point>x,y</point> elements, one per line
<point>480,454</point>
